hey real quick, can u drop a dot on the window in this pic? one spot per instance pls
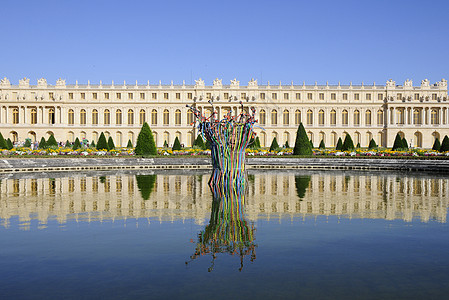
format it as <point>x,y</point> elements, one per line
<point>70,96</point>
<point>118,96</point>
<point>95,117</point>
<point>130,96</point>
<point>142,116</point>
<point>154,117</point>
<point>154,96</point>
<point>243,96</point>
<point>189,96</point>
<point>209,96</point>
<point>400,116</point>
<point>297,117</point>
<point>333,96</point>
<point>106,96</point>
<point>368,118</point>
<point>417,116</point>
<point>321,117</point>
<point>83,117</point>
<point>356,118</point>
<point>51,116</point>
<point>142,96</point>
<point>262,96</point>
<point>309,96</point>
<point>399,96</point>
<point>298,96</point>
<point>94,96</point>
<point>178,96</point>
<point>262,117</point>
<point>177,117</point>
<point>107,117</point>
<point>380,97</point>
<point>345,96</point>
<point>286,117</point>
<point>285,96</point>
<point>321,95</point>
<point>356,96</point>
<point>189,117</point>
<point>368,97</point>
<point>380,117</point>
<point>274,117</point>
<point>434,96</point>
<point>83,96</point>
<point>33,116</point>
<point>434,117</point>
<point>15,116</point>
<point>71,117</point>
<point>344,117</point>
<point>166,117</point>
<point>130,117</point>
<point>165,96</point>
<point>416,96</point>
<point>309,117</point>
<point>118,117</point>
<point>274,96</point>
<point>333,117</point>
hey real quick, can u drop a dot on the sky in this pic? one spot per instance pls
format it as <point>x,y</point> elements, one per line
<point>300,41</point>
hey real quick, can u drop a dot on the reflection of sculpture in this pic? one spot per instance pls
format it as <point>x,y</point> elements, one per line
<point>228,231</point>
<point>301,184</point>
<point>145,184</point>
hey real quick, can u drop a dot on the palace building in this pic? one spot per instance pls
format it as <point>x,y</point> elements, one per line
<point>418,113</point>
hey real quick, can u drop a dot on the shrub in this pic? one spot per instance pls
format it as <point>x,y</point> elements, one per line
<point>358,146</point>
<point>111,145</point>
<point>445,144</point>
<point>9,144</point>
<point>404,143</point>
<point>77,144</point>
<point>274,145</point>
<point>287,145</point>
<point>165,144</point>
<point>42,144</point>
<point>257,142</point>
<point>101,143</point>
<point>51,142</point>
<point>199,142</point>
<point>339,144</point>
<point>27,143</point>
<point>311,144</point>
<point>130,145</point>
<point>397,142</point>
<point>302,143</point>
<point>145,142</point>
<point>372,144</point>
<point>145,184</point>
<point>92,145</point>
<point>176,144</point>
<point>322,145</point>
<point>208,145</point>
<point>67,144</point>
<point>3,144</point>
<point>436,145</point>
<point>348,145</point>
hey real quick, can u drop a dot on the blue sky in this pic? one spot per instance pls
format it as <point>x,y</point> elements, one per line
<point>183,40</point>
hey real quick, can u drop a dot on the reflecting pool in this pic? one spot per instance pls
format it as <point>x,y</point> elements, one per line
<point>168,234</point>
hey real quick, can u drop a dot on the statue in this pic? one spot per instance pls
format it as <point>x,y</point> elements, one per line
<point>252,83</point>
<point>42,82</point>
<point>24,82</point>
<point>235,83</point>
<point>442,83</point>
<point>218,83</point>
<point>408,83</point>
<point>199,83</point>
<point>60,82</point>
<point>391,83</point>
<point>425,83</point>
<point>5,82</point>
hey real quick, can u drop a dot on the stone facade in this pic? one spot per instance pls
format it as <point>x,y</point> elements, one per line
<point>418,113</point>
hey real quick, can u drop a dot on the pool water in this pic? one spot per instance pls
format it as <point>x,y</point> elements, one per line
<point>322,235</point>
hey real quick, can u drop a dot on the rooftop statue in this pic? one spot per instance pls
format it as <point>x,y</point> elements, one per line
<point>199,83</point>
<point>24,82</point>
<point>5,81</point>
<point>42,82</point>
<point>252,83</point>
<point>235,82</point>
<point>218,83</point>
<point>408,83</point>
<point>60,82</point>
<point>425,83</point>
<point>390,83</point>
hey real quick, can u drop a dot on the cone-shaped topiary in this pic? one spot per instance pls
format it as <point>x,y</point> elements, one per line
<point>9,144</point>
<point>287,145</point>
<point>199,142</point>
<point>404,143</point>
<point>165,144</point>
<point>130,144</point>
<point>445,144</point>
<point>51,142</point>
<point>274,145</point>
<point>3,144</point>
<point>42,144</point>
<point>257,142</point>
<point>302,143</point>
<point>302,183</point>
<point>372,144</point>
<point>27,143</point>
<point>322,145</point>
<point>77,144</point>
<point>358,146</point>
<point>348,145</point>
<point>67,144</point>
<point>176,144</point>
<point>145,184</point>
<point>436,145</point>
<point>92,145</point>
<point>145,142</point>
<point>339,144</point>
<point>102,144</point>
<point>397,142</point>
<point>111,145</point>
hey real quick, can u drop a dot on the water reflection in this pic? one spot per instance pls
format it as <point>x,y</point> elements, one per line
<point>270,195</point>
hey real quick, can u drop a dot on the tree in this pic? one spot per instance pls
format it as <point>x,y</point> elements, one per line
<point>445,144</point>
<point>77,144</point>
<point>397,142</point>
<point>199,142</point>
<point>322,145</point>
<point>145,184</point>
<point>165,144</point>
<point>358,146</point>
<point>404,143</point>
<point>145,142</point>
<point>208,145</point>
<point>348,145</point>
<point>92,145</point>
<point>3,144</point>
<point>311,144</point>
<point>176,144</point>
<point>111,145</point>
<point>27,143</point>
<point>67,144</point>
<point>302,183</point>
<point>130,144</point>
<point>9,144</point>
<point>257,142</point>
<point>302,143</point>
<point>42,144</point>
<point>339,144</point>
<point>287,145</point>
<point>436,145</point>
<point>101,143</point>
<point>372,144</point>
<point>51,142</point>
<point>274,145</point>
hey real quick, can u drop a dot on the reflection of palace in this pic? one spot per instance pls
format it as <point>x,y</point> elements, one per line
<point>184,197</point>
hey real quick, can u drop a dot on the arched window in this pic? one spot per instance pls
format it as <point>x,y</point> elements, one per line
<point>154,117</point>
<point>51,116</point>
<point>274,117</point>
<point>368,118</point>
<point>189,138</point>
<point>333,117</point>
<point>323,137</point>
<point>166,117</point>
<point>369,136</point>
<point>189,117</point>
<point>142,117</point>
<point>33,116</point>
<point>95,136</point>
<point>287,138</point>
<point>309,117</point>
<point>167,138</point>
<point>344,117</point>
<point>83,117</point>
<point>357,138</point>
<point>118,139</point>
<point>130,117</point>
<point>15,116</point>
<point>418,139</point>
<point>14,137</point>
<point>417,116</point>
<point>434,117</point>
<point>71,137</point>
<point>333,139</point>
<point>118,117</point>
<point>380,117</point>
<point>356,118</point>
<point>107,117</point>
<point>262,117</point>
<point>321,117</point>
<point>400,116</point>
<point>263,139</point>
<point>83,135</point>
<point>297,117</point>
<point>95,117</point>
<point>71,117</point>
<point>310,135</point>
<point>177,117</point>
<point>286,117</point>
